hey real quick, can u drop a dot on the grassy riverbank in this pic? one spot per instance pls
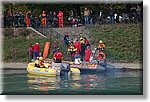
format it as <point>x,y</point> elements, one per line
<point>123,43</point>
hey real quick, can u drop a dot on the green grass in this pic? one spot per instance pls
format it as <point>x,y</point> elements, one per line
<point>16,50</point>
<point>123,43</point>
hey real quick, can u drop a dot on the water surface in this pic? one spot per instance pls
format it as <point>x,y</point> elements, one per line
<point>116,82</point>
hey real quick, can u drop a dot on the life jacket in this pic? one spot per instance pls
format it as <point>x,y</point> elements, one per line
<point>72,48</point>
<point>41,64</point>
<point>101,45</point>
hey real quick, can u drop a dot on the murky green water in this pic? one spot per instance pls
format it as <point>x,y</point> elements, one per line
<point>114,82</point>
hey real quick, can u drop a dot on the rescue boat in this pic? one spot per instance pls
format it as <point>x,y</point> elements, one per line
<point>51,69</point>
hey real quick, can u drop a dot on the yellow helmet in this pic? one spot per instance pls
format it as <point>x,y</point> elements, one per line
<point>41,58</point>
<point>100,41</point>
<point>81,38</point>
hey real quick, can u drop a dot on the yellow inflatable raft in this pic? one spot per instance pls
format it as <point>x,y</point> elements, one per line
<point>40,71</point>
<point>48,71</point>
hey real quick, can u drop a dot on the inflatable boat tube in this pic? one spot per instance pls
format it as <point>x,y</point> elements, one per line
<point>40,71</point>
<point>46,50</point>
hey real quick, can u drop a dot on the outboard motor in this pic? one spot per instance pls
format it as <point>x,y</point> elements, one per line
<point>65,68</point>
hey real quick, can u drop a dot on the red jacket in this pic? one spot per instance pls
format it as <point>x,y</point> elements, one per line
<point>87,42</point>
<point>78,46</point>
<point>58,55</point>
<point>87,55</point>
<point>36,47</point>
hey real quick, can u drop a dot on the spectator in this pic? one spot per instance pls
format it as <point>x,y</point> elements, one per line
<point>133,14</point>
<point>100,18</point>
<point>115,17</point>
<point>28,22</point>
<point>16,19</point>
<point>70,19</point>
<point>60,19</point>
<point>43,19</point>
<point>9,19</point>
<point>50,19</point>
<point>37,22</point>
<point>138,12</point>
<point>32,19</point>
<point>21,19</point>
<point>55,19</point>
<point>91,17</point>
<point>86,16</point>
<point>111,14</point>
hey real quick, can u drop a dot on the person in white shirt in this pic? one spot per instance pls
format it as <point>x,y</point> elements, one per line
<point>115,17</point>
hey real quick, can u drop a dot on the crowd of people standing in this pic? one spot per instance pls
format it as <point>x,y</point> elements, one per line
<point>58,19</point>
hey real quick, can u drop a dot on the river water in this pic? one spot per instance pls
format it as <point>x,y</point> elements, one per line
<point>114,82</point>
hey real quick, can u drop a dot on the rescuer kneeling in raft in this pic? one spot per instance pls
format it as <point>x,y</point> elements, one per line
<point>58,56</point>
<point>39,62</point>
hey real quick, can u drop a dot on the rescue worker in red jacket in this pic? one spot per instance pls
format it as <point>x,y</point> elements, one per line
<point>36,49</point>
<point>88,52</point>
<point>78,46</point>
<point>60,19</point>
<point>58,56</point>
<point>44,18</point>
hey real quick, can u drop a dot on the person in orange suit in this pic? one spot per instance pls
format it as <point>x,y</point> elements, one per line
<point>60,19</point>
<point>44,18</point>
<point>28,19</point>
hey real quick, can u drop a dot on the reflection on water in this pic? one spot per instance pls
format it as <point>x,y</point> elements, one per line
<point>43,83</point>
<point>86,82</point>
<point>113,82</point>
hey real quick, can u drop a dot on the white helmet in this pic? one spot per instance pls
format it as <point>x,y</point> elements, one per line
<point>100,41</point>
